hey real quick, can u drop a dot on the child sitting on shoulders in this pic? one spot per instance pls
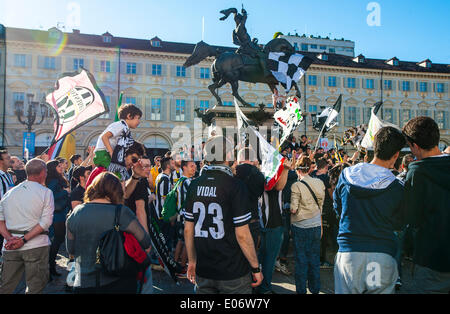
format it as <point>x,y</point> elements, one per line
<point>115,139</point>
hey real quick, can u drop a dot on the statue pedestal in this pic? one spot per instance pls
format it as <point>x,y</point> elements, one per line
<point>225,122</point>
<point>226,116</point>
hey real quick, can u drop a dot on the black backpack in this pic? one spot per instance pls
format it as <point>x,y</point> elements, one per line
<point>112,259</point>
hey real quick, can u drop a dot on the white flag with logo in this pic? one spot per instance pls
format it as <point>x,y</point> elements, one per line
<point>77,100</point>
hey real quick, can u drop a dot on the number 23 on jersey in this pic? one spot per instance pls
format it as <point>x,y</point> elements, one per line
<point>216,230</point>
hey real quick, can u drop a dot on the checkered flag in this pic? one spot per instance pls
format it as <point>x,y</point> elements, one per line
<point>288,68</point>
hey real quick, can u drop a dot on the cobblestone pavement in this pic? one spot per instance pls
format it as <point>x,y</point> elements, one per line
<point>163,284</point>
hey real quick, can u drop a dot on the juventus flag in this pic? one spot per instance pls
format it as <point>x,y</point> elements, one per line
<point>288,68</point>
<point>77,100</point>
<point>171,267</point>
<point>326,120</point>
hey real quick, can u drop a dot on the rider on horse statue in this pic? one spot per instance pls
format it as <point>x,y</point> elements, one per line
<point>242,39</point>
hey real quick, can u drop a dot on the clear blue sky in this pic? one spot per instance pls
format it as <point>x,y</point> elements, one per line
<point>410,30</point>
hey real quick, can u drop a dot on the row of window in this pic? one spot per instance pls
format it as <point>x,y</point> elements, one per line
<point>405,86</point>
<point>306,47</point>
<point>351,116</point>
<point>204,73</point>
<point>20,60</point>
<point>154,108</point>
<point>155,70</point>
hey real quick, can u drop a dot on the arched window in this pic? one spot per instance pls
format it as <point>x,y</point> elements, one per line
<point>156,141</point>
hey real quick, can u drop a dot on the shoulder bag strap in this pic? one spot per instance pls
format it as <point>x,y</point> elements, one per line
<point>117,216</point>
<point>116,226</point>
<point>310,190</point>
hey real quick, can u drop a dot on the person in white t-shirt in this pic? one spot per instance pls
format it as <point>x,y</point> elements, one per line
<point>112,143</point>
<point>26,213</point>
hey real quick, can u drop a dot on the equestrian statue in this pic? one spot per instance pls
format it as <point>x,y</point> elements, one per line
<point>248,63</point>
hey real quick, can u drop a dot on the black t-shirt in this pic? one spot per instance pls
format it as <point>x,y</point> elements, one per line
<point>77,194</point>
<point>73,183</point>
<point>217,203</point>
<point>292,178</point>
<point>293,146</point>
<point>328,202</point>
<point>304,147</point>
<point>271,207</point>
<point>139,193</point>
<point>254,180</point>
<point>20,176</point>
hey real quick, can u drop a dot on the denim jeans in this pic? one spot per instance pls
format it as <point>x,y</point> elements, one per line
<point>430,281</point>
<point>307,259</point>
<point>170,234</point>
<point>286,235</point>
<point>399,239</point>
<point>236,286</point>
<point>271,239</point>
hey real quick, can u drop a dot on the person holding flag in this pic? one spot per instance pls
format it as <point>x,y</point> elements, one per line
<point>115,139</point>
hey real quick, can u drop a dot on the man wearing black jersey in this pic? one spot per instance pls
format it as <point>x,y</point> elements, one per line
<point>162,184</point>
<point>188,168</point>
<point>220,247</point>
<point>162,188</point>
<point>177,171</point>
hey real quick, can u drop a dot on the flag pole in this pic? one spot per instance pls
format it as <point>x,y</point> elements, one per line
<point>320,135</point>
<point>381,93</point>
<point>326,122</point>
<point>57,121</point>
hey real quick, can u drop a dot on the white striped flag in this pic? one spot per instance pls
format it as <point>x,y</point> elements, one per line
<point>326,120</point>
<point>271,160</point>
<point>374,125</point>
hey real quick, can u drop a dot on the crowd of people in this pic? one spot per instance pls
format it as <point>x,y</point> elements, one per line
<point>361,215</point>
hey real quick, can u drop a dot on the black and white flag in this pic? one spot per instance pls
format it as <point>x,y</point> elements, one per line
<point>288,68</point>
<point>326,120</point>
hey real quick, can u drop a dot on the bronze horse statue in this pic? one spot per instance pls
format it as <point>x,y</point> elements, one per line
<point>231,67</point>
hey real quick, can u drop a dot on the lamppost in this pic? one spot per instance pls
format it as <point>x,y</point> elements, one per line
<point>32,111</point>
<point>29,120</point>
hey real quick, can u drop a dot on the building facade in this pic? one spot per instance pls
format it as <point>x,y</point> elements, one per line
<point>321,44</point>
<point>150,74</point>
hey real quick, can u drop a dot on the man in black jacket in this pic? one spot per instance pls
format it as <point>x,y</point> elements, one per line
<point>428,211</point>
<point>248,172</point>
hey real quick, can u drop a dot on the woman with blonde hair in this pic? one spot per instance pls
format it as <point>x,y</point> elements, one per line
<point>85,227</point>
<point>307,196</point>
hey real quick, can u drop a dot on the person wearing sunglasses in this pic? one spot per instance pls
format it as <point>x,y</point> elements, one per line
<point>132,158</point>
